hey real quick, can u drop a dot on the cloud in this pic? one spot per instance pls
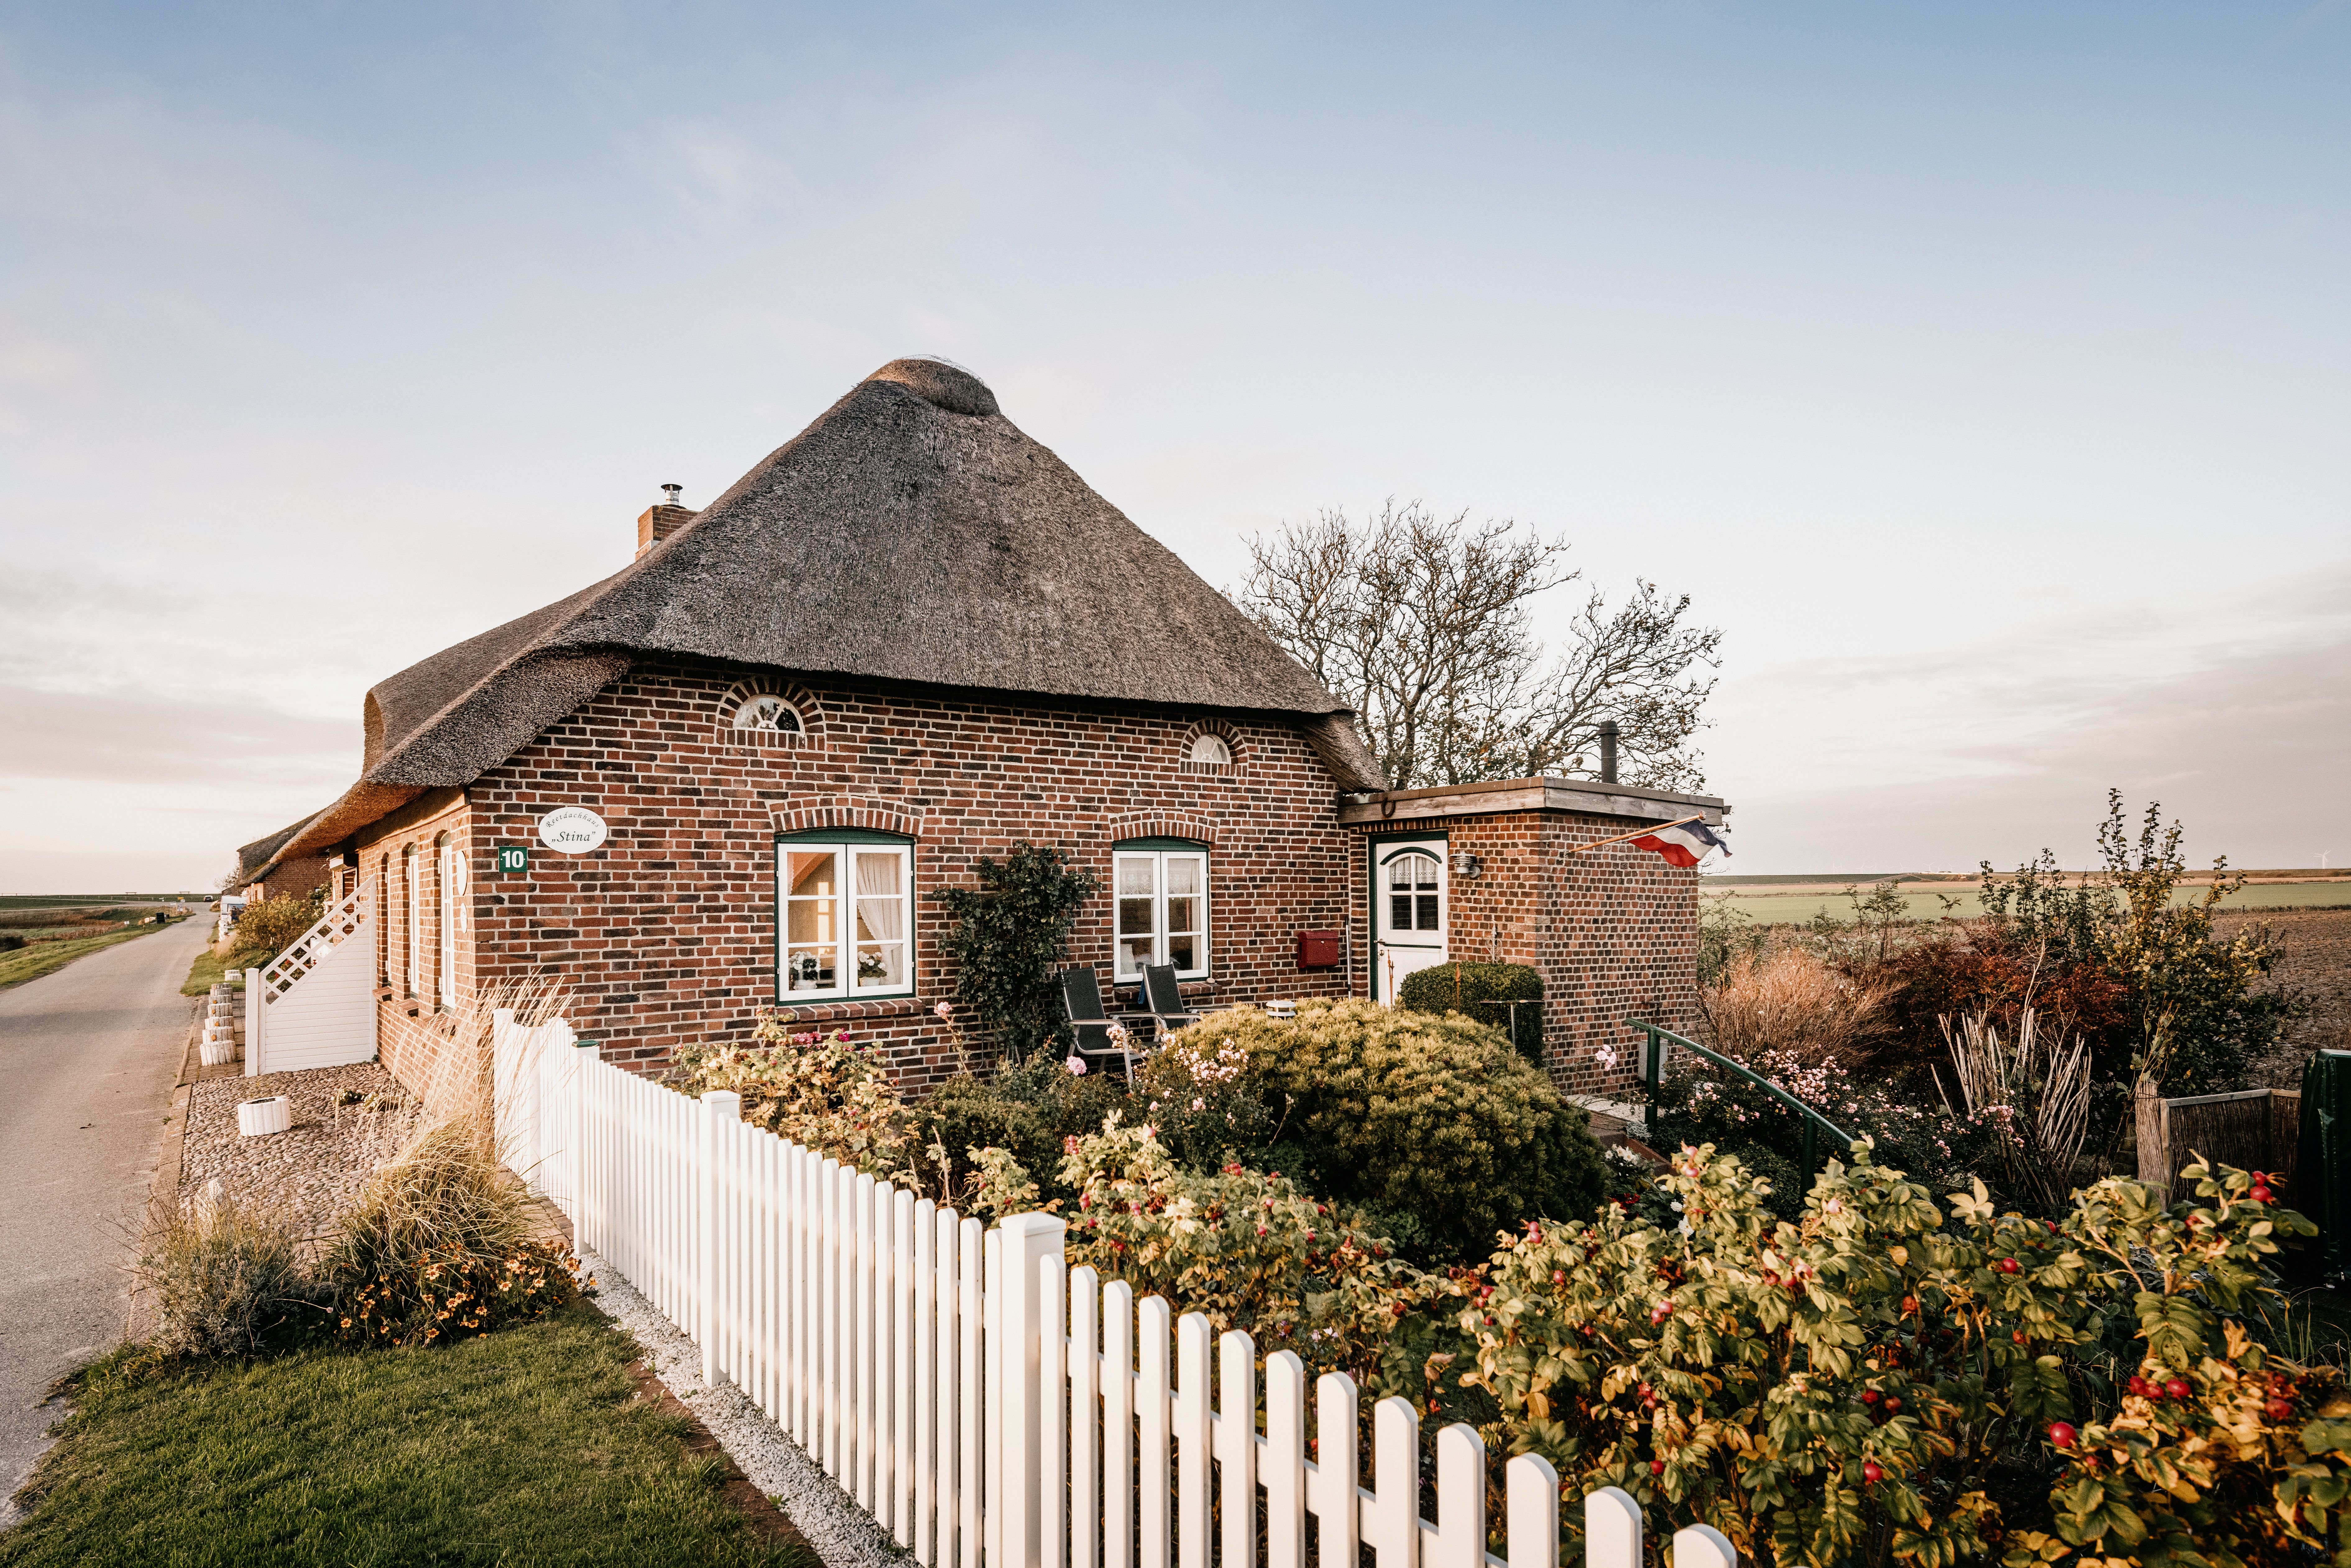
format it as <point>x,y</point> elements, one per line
<point>129,735</point>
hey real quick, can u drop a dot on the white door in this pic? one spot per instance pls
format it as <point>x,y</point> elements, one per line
<point>1408,915</point>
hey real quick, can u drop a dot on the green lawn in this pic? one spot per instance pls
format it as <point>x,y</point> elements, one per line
<point>37,958</point>
<point>526,1446</point>
<point>210,967</point>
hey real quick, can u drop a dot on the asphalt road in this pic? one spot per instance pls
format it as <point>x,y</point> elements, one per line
<point>89,1056</point>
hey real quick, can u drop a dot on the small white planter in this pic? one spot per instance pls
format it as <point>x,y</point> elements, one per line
<point>217,1052</point>
<point>258,1118</point>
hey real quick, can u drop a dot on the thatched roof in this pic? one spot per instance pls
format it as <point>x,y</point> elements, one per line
<point>912,533</point>
<point>255,858</point>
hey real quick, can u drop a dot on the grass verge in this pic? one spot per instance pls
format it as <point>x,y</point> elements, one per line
<point>37,958</point>
<point>211,967</point>
<point>523,1446</point>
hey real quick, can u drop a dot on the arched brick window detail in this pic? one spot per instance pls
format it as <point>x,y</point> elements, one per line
<point>865,815</point>
<point>1211,747</point>
<point>1162,825</point>
<point>767,711</point>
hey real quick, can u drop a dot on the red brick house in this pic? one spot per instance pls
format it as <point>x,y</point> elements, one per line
<point>908,638</point>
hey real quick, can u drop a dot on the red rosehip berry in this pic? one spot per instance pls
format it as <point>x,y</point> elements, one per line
<point>1871,1473</point>
<point>1399,1309</point>
<point>2140,1387</point>
<point>1656,1467</point>
<point>2008,1265</point>
<point>2176,1388</point>
<point>2017,1334</point>
<point>2259,1178</point>
<point>1892,1405</point>
<point>1869,1397</point>
<point>2061,1434</point>
<point>2279,1410</point>
<point>2261,1194</point>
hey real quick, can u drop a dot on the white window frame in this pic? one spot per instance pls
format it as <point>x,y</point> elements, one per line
<point>452,886</point>
<point>413,955</point>
<point>1158,860</point>
<point>843,899</point>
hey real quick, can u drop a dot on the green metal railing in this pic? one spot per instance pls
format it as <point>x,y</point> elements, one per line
<point>1652,1069</point>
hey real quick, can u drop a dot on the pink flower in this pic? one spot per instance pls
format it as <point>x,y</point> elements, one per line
<point>1077,1066</point>
<point>841,1035</point>
<point>945,1009</point>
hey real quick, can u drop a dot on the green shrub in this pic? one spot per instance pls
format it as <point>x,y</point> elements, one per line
<point>274,924</point>
<point>1030,1112</point>
<point>1878,1384</point>
<point>1247,1249</point>
<point>1435,1118</point>
<point>1007,938</point>
<point>1472,989</point>
<point>443,1242</point>
<point>226,1280</point>
<point>823,1092</point>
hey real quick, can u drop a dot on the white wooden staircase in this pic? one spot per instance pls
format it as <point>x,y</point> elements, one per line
<point>314,1006</point>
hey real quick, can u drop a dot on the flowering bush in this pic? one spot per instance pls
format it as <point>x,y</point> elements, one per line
<point>824,1092</point>
<point>1867,1385</point>
<point>1247,1249</point>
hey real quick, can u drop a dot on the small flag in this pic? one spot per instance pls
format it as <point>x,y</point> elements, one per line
<point>1683,843</point>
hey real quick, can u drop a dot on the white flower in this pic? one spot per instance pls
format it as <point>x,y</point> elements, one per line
<point>1077,1066</point>
<point>945,1009</point>
<point>1605,1056</point>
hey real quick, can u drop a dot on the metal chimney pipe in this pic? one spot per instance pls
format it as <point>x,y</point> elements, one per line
<point>1608,751</point>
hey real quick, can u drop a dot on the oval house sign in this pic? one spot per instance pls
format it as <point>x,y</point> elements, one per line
<point>571,830</point>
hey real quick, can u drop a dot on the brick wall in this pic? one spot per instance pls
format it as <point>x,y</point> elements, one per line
<point>1613,933</point>
<point>664,936</point>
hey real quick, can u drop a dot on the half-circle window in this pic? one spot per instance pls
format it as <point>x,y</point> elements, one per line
<point>767,714</point>
<point>1210,751</point>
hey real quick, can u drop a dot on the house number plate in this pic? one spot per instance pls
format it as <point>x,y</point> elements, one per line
<point>514,857</point>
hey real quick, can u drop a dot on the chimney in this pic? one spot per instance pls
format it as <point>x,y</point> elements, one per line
<point>1608,751</point>
<point>663,518</point>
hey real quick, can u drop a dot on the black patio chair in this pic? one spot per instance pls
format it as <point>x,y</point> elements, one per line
<point>1082,996</point>
<point>1162,1000</point>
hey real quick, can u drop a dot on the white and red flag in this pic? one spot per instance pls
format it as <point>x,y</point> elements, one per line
<point>1683,844</point>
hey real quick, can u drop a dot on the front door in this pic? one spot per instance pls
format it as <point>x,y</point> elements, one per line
<point>1408,915</point>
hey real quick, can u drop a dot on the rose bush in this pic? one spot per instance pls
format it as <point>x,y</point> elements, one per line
<point>1875,1384</point>
<point>823,1091</point>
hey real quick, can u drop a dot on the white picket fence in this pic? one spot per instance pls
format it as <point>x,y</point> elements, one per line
<point>989,1407</point>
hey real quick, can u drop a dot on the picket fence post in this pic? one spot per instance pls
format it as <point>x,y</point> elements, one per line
<point>718,1105</point>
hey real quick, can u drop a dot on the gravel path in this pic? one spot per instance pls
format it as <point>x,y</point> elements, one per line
<point>311,1171</point>
<point>844,1535</point>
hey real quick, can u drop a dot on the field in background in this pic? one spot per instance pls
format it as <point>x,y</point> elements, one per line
<point>1785,900</point>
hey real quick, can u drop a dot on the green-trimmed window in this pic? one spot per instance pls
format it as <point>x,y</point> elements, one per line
<point>1160,894</point>
<point>844,915</point>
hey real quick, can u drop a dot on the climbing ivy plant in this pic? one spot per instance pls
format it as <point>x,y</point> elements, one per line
<point>1008,936</point>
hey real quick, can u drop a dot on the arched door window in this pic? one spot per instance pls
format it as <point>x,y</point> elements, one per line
<point>412,955</point>
<point>449,876</point>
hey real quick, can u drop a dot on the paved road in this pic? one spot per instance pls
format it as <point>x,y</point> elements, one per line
<point>89,1056</point>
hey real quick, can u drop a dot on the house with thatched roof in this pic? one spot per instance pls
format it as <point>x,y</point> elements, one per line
<point>730,776</point>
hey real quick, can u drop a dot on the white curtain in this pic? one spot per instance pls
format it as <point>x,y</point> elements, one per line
<point>881,894</point>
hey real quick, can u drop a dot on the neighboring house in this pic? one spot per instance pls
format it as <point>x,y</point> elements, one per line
<point>909,638</point>
<point>263,869</point>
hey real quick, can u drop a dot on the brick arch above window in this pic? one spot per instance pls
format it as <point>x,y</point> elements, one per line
<point>872,819</point>
<point>798,705</point>
<point>1199,750</point>
<point>1162,825</point>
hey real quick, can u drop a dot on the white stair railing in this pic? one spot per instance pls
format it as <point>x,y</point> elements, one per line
<point>341,920</point>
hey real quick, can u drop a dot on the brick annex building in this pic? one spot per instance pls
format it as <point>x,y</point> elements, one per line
<point>909,638</point>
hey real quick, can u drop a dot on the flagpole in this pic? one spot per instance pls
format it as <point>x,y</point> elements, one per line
<point>1645,832</point>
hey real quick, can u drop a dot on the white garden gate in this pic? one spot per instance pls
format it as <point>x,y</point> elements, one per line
<point>989,1407</point>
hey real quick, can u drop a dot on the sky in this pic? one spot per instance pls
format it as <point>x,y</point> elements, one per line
<point>1978,369</point>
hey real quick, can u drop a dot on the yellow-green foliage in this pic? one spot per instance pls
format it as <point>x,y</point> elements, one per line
<point>820,1091</point>
<point>1248,1250</point>
<point>1837,1391</point>
<point>1434,1117</point>
<point>274,924</point>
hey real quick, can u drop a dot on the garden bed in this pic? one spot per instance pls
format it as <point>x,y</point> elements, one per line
<point>311,1171</point>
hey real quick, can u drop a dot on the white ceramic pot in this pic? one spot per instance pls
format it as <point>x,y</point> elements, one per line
<point>258,1118</point>
<point>217,1052</point>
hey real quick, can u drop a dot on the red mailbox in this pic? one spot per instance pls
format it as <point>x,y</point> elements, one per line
<point>1318,950</point>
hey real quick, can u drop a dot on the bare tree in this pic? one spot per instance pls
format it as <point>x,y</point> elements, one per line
<point>1425,628</point>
